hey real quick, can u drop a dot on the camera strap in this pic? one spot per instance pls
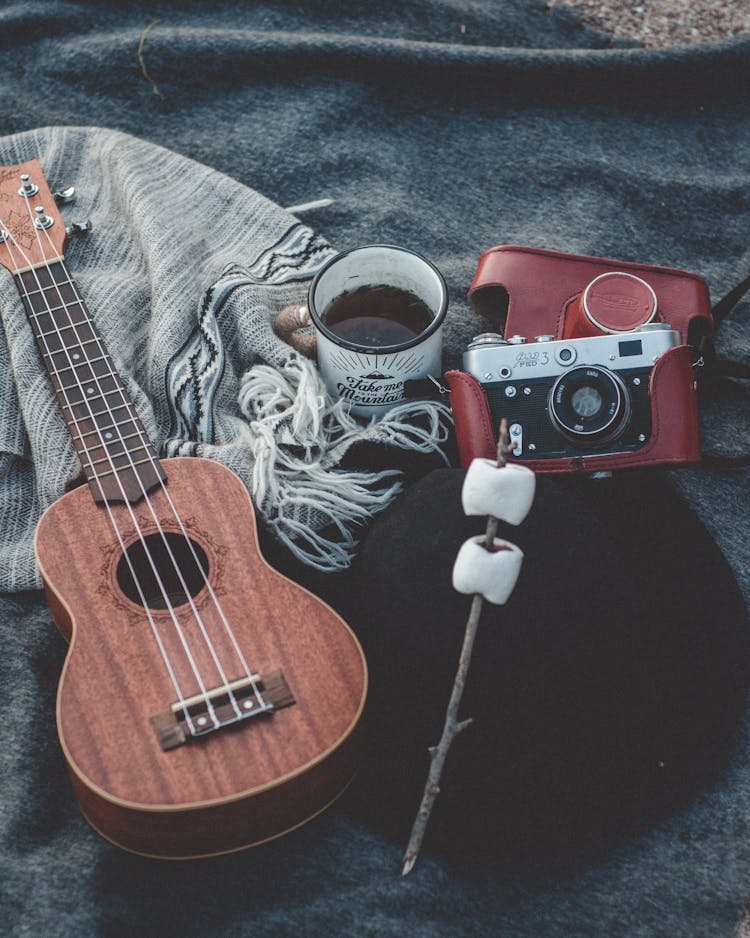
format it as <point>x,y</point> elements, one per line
<point>726,304</point>
<point>723,373</point>
<point>719,367</point>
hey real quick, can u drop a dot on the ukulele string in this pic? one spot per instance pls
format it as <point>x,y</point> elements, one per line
<point>96,379</point>
<point>160,644</point>
<point>252,677</point>
<point>252,680</point>
<point>26,295</point>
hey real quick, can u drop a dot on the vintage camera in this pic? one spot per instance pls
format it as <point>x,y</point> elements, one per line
<point>584,402</point>
<point>606,384</point>
<point>571,396</point>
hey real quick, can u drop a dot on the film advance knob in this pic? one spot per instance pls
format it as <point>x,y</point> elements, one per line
<point>487,338</point>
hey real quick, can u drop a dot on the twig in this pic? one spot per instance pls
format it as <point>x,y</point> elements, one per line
<point>144,70</point>
<point>452,727</point>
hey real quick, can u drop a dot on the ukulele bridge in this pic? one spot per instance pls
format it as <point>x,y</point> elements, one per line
<point>226,705</point>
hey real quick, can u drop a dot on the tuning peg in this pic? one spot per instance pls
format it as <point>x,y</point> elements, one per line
<point>42,220</point>
<point>27,186</point>
<point>64,195</point>
<point>78,227</point>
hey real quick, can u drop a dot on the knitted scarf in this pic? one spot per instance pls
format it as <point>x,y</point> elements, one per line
<point>183,272</point>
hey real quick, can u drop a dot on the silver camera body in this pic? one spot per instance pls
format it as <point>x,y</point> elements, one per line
<point>566,397</point>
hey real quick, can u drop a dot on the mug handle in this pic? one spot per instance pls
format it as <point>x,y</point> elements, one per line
<point>292,325</point>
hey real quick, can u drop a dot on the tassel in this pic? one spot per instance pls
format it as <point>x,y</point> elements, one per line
<point>298,436</point>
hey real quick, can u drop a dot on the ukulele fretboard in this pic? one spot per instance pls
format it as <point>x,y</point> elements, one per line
<point>116,455</point>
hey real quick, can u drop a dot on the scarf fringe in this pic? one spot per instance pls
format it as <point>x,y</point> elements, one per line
<point>298,436</point>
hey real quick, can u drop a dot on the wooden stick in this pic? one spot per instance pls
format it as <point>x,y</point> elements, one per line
<point>142,60</point>
<point>452,727</point>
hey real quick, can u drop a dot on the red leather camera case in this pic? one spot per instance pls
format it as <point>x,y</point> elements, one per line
<point>541,286</point>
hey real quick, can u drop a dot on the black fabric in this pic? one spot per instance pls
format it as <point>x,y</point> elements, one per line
<point>602,693</point>
<point>448,127</point>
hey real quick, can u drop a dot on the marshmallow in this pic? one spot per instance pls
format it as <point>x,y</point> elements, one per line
<point>493,573</point>
<point>505,492</point>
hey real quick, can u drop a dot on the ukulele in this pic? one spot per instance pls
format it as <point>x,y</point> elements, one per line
<point>207,703</point>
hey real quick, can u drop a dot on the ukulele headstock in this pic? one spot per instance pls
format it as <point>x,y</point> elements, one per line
<point>32,231</point>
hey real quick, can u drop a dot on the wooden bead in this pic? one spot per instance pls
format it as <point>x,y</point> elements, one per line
<point>493,573</point>
<point>504,492</point>
<point>292,325</point>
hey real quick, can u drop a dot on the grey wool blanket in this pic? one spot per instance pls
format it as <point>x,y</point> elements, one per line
<point>447,127</point>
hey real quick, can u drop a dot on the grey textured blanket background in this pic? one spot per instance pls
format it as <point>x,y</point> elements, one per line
<point>448,127</point>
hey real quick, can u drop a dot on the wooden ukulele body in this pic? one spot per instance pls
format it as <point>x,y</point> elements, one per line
<point>238,785</point>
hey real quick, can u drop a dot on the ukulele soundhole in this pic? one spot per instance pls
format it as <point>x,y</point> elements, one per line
<point>169,570</point>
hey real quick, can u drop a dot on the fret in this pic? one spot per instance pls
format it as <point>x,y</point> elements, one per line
<point>56,309</point>
<point>58,340</point>
<point>36,314</point>
<point>112,456</point>
<point>100,413</point>
<point>44,278</point>
<point>44,289</point>
<point>113,426</point>
<point>92,392</point>
<point>138,462</point>
<point>107,447</point>
<point>84,378</point>
<point>88,388</point>
<point>89,361</point>
<point>121,458</point>
<point>52,284</point>
<point>111,433</point>
<point>56,332</point>
<point>52,297</point>
<point>76,354</point>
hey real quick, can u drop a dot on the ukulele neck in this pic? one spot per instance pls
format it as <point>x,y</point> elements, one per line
<point>117,457</point>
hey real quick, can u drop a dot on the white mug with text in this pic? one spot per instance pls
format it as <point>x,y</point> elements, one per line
<point>377,312</point>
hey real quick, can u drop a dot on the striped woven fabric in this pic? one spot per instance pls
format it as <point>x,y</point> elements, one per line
<point>183,272</point>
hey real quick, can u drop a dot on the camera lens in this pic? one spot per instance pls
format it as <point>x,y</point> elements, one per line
<point>589,405</point>
<point>586,401</point>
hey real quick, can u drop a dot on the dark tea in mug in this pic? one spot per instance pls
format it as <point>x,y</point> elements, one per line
<point>378,312</point>
<point>377,315</point>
